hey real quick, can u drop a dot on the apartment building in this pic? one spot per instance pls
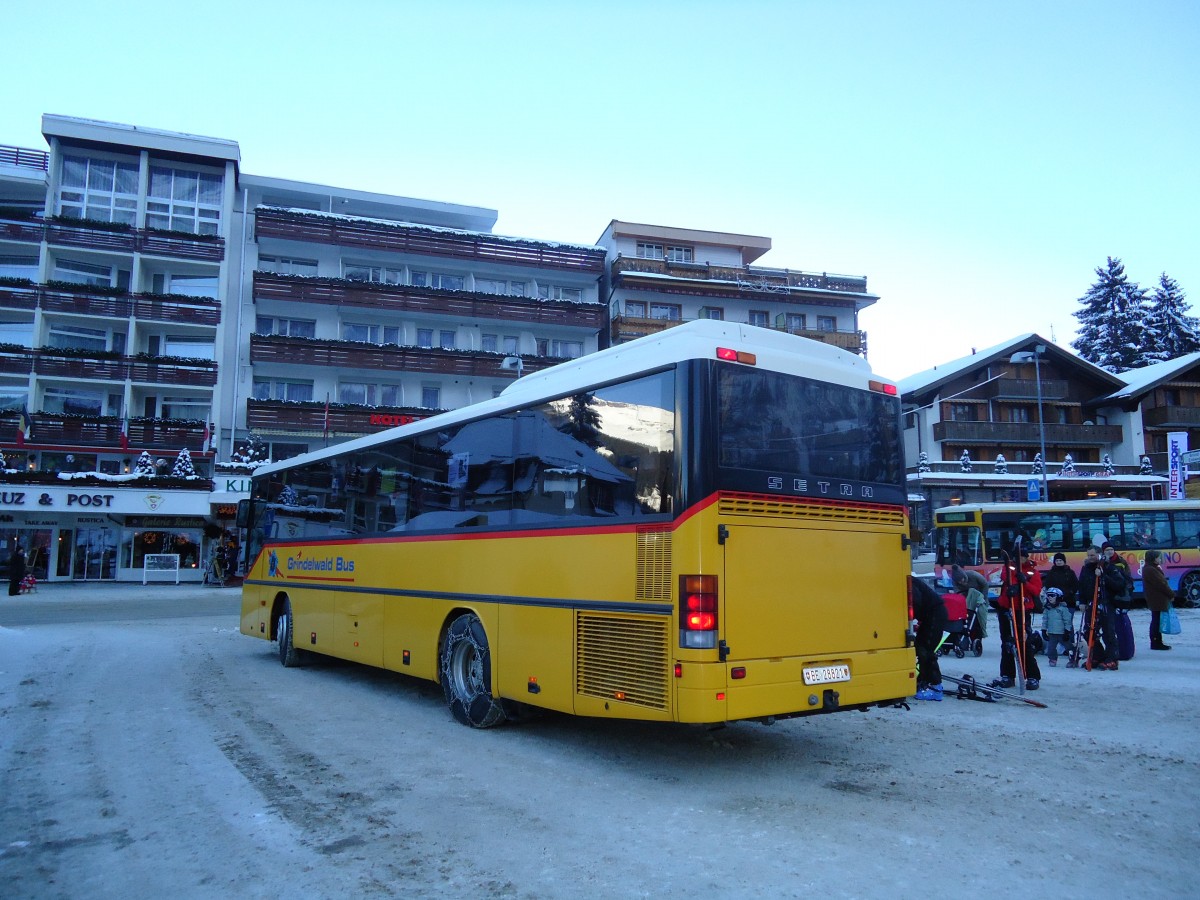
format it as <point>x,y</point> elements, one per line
<point>658,276</point>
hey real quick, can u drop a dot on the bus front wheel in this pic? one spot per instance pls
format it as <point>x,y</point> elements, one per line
<point>466,669</point>
<point>284,632</point>
<point>1189,589</point>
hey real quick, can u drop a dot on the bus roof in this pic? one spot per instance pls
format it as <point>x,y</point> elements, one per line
<point>775,351</point>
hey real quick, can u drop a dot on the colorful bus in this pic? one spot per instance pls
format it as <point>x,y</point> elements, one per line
<point>976,536</point>
<point>701,526</point>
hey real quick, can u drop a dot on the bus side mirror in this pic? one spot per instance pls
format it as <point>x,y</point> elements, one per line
<point>243,513</point>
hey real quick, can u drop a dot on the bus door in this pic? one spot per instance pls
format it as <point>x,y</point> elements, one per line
<point>791,591</point>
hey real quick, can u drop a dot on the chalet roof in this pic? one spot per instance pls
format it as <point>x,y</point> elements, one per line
<point>1139,382</point>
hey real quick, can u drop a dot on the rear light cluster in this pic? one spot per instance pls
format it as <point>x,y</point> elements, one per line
<point>698,611</point>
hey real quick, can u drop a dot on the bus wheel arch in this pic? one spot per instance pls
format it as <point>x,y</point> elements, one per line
<point>1189,588</point>
<point>465,669</point>
<point>283,629</point>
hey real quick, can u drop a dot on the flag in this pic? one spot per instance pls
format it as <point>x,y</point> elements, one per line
<point>125,433</point>
<point>327,418</point>
<point>207,435</point>
<point>23,428</point>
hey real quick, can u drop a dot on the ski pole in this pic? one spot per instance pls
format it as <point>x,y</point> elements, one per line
<point>1092,622</point>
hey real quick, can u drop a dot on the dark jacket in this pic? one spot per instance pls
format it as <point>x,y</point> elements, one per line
<point>16,568</point>
<point>1063,578</point>
<point>1156,587</point>
<point>1112,584</point>
<point>928,608</point>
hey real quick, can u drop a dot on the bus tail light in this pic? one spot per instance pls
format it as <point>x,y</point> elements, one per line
<point>698,611</point>
<point>730,355</point>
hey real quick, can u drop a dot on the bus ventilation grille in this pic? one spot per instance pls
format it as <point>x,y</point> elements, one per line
<point>798,509</point>
<point>653,564</point>
<point>622,658</point>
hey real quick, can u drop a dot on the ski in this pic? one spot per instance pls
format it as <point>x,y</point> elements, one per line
<point>970,689</point>
<point>1013,574</point>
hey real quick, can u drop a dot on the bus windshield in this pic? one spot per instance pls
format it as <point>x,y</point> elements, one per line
<point>799,435</point>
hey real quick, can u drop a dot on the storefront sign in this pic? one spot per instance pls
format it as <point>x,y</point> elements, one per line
<point>391,420</point>
<point>45,500</point>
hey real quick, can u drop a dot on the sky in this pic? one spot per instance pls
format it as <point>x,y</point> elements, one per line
<point>976,162</point>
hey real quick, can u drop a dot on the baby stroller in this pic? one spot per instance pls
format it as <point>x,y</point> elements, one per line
<point>963,632</point>
<point>28,584</point>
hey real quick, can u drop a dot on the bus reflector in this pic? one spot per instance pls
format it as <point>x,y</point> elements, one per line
<point>678,670</point>
<point>737,672</point>
<point>883,387</point>
<point>730,355</point>
<point>698,611</point>
<point>720,695</point>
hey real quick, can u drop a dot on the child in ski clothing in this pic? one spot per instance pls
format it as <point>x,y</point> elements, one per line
<point>1056,622</point>
<point>930,613</point>
<point>1020,590</point>
<point>1104,629</point>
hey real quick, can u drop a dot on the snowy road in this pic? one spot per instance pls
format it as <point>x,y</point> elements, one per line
<point>157,755</point>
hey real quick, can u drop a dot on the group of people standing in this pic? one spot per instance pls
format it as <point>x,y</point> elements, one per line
<point>1103,585</point>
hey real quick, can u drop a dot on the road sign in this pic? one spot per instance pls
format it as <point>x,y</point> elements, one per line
<point>1034,489</point>
<point>1191,458</point>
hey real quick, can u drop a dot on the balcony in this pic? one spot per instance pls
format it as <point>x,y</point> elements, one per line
<point>73,233</point>
<point>52,363</point>
<point>1171,417</point>
<point>1023,389</point>
<point>273,348</point>
<point>408,299</point>
<point>176,308</point>
<point>24,158</point>
<point>155,435</point>
<point>401,237</point>
<point>627,328</point>
<point>1026,433</point>
<point>746,282</point>
<point>284,417</point>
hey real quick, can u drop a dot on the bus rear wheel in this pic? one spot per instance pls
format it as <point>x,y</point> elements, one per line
<point>284,633</point>
<point>466,669</point>
<point>1189,589</point>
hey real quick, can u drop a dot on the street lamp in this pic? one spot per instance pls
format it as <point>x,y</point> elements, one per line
<point>1036,356</point>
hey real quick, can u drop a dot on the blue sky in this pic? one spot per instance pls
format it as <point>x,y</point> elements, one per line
<point>976,162</point>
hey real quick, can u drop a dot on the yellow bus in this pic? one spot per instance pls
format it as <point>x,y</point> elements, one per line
<point>977,535</point>
<point>701,526</point>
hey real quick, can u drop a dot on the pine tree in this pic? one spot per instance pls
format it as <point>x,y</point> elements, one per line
<point>3,461</point>
<point>1106,466</point>
<point>1068,466</point>
<point>287,497</point>
<point>183,465</point>
<point>1111,320</point>
<point>1001,467</point>
<point>144,465</point>
<point>923,462</point>
<point>1147,467</point>
<point>965,461</point>
<point>1169,331</point>
<point>1039,465</point>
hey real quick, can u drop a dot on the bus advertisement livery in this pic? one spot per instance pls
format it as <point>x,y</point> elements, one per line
<point>976,536</point>
<point>702,526</point>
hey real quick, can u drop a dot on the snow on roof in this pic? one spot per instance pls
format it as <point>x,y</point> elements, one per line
<point>1138,381</point>
<point>956,366</point>
<point>773,289</point>
<point>392,223</point>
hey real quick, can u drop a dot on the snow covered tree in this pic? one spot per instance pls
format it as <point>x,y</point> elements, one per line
<point>1039,465</point>
<point>1106,466</point>
<point>1001,467</point>
<point>1111,321</point>
<point>144,465</point>
<point>965,461</point>
<point>1147,468</point>
<point>923,462</point>
<point>287,497</point>
<point>1169,331</point>
<point>583,421</point>
<point>183,465</point>
<point>250,453</point>
<point>3,461</point>
<point>1068,466</point>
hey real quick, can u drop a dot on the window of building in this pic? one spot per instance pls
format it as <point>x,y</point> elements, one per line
<point>16,333</point>
<point>826,323</point>
<point>672,311</point>
<point>635,308</point>
<point>559,292</point>
<point>287,265</point>
<point>281,389</point>
<point>73,337</point>
<point>431,396</point>
<point>518,289</point>
<point>962,412</point>
<point>191,347</point>
<point>280,451</point>
<point>99,189</point>
<point>712,312</point>
<point>647,250</point>
<point>79,272</point>
<point>19,267</point>
<point>180,200</point>
<point>440,280</point>
<point>1019,414</point>
<point>74,402</point>
<point>186,408</point>
<point>759,317</point>
<point>512,343</point>
<point>1170,396</point>
<point>679,254</point>
<point>370,334</point>
<point>796,321</point>
<point>356,392</point>
<point>190,285</point>
<point>500,286</point>
<point>489,342</point>
<point>566,349</point>
<point>424,337</point>
<point>390,395</point>
<point>306,328</point>
<point>377,274</point>
<point>447,339</point>
<point>1062,415</point>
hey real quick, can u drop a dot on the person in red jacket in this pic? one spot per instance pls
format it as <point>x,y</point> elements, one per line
<point>1021,588</point>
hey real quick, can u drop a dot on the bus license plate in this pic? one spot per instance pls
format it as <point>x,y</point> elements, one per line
<point>826,674</point>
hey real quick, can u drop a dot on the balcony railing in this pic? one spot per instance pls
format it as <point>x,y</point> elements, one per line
<point>55,364</point>
<point>400,237</point>
<point>1023,469</point>
<point>126,241</point>
<point>274,348</point>
<point>155,435</point>
<point>1171,417</point>
<point>283,417</point>
<point>752,281</point>
<point>150,307</point>
<point>1022,389</point>
<point>406,298</point>
<point>24,158</point>
<point>626,328</point>
<point>1026,433</point>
